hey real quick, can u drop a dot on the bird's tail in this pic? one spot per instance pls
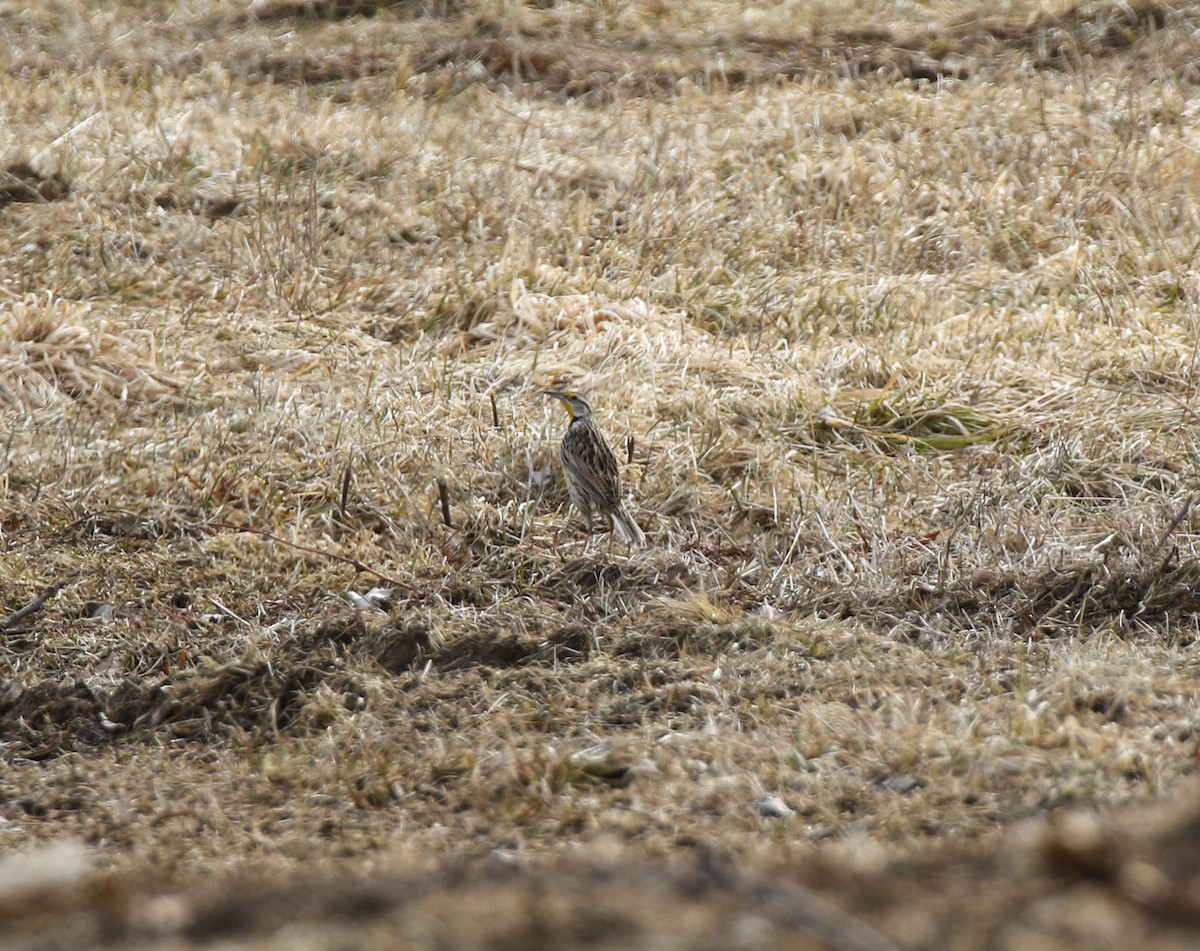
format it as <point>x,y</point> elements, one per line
<point>626,527</point>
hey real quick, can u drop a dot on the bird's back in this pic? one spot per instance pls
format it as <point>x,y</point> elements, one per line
<point>588,458</point>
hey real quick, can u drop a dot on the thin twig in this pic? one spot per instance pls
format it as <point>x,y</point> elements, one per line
<point>629,447</point>
<point>32,607</point>
<point>1179,517</point>
<point>444,496</point>
<point>346,476</point>
<point>495,412</point>
<point>333,556</point>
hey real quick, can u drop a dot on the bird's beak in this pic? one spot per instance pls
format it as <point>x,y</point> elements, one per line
<point>562,398</point>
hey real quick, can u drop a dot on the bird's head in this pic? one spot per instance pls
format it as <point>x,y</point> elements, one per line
<point>577,407</point>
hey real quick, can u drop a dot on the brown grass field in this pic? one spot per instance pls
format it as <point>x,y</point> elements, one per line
<point>891,312</point>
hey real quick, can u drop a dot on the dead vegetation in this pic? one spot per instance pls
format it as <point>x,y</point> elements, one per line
<point>61,352</point>
<point>892,319</point>
<point>20,182</point>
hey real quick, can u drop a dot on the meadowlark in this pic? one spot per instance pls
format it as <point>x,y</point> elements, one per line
<point>593,479</point>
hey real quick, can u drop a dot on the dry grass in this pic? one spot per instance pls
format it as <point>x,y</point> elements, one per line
<point>892,318</point>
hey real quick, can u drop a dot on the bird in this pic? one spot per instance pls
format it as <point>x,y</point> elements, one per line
<point>593,479</point>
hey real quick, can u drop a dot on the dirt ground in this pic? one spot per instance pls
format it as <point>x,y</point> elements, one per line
<point>889,312</point>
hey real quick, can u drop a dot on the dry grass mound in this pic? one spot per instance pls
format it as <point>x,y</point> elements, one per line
<point>61,352</point>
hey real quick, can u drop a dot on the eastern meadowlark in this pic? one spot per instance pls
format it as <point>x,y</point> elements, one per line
<point>593,479</point>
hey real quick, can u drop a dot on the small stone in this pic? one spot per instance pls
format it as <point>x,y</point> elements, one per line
<point>901,783</point>
<point>54,869</point>
<point>772,807</point>
<point>381,597</point>
<point>99,611</point>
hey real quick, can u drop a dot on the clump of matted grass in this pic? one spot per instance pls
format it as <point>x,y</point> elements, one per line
<point>57,351</point>
<point>920,421</point>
